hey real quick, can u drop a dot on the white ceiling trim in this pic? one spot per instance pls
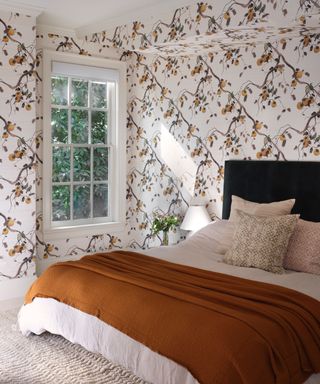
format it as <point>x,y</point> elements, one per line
<point>43,29</point>
<point>34,9</point>
<point>146,14</point>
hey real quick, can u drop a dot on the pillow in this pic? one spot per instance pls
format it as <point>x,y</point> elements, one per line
<point>216,235</point>
<point>269,209</point>
<point>303,252</point>
<point>261,242</point>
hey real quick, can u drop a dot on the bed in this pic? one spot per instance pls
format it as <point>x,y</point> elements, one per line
<point>256,181</point>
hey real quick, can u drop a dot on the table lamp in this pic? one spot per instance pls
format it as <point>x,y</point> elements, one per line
<point>196,218</point>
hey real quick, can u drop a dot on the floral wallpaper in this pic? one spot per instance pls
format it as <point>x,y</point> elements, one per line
<point>18,157</point>
<point>204,26</point>
<point>249,102</point>
<point>213,81</point>
<point>258,99</point>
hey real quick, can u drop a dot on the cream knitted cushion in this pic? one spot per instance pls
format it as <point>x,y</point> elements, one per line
<point>261,242</point>
<point>269,209</point>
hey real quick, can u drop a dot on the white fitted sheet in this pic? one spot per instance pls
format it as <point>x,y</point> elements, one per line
<point>202,250</point>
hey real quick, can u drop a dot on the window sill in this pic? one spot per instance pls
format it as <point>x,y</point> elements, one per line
<point>62,233</point>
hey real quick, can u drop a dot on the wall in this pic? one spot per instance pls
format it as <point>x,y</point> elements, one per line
<point>189,113</point>
<point>210,82</point>
<point>18,158</point>
<point>194,103</point>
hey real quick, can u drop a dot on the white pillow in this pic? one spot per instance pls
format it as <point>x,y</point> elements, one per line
<point>269,209</point>
<point>216,236</point>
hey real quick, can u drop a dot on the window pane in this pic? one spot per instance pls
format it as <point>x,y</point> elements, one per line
<point>99,127</point>
<point>59,125</point>
<point>81,164</point>
<point>60,164</point>
<point>61,203</point>
<point>79,124</point>
<point>99,95</point>
<point>79,93</point>
<point>100,164</point>
<point>59,90</point>
<point>81,202</point>
<point>100,200</point>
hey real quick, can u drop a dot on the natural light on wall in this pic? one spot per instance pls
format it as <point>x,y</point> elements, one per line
<point>178,160</point>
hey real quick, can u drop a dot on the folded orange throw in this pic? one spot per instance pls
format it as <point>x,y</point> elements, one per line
<point>223,329</point>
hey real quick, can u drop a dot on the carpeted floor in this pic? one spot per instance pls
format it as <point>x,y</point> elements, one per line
<point>50,359</point>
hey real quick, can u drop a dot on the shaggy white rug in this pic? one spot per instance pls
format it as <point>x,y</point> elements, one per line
<point>47,359</point>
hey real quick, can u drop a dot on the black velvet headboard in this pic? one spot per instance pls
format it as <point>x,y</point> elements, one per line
<point>267,181</point>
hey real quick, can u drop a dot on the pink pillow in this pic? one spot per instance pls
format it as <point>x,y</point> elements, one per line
<point>303,253</point>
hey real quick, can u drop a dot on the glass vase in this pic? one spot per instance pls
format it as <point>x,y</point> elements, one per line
<point>165,240</point>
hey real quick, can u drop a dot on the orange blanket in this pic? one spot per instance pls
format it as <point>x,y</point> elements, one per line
<point>223,329</point>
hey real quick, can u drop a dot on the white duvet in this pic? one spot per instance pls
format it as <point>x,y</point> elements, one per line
<point>202,250</point>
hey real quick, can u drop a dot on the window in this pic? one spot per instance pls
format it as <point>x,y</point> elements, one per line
<point>84,148</point>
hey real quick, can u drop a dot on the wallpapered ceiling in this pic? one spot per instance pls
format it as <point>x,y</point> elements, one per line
<point>207,26</point>
<point>191,106</point>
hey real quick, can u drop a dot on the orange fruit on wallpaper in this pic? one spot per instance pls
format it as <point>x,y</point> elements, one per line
<point>10,127</point>
<point>10,222</point>
<point>49,247</point>
<point>282,137</point>
<point>226,15</point>
<point>203,7</point>
<point>298,74</point>
<point>11,31</point>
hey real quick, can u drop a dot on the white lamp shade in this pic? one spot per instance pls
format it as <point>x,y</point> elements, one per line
<point>196,218</point>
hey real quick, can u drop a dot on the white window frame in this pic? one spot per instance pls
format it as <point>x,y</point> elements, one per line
<point>117,179</point>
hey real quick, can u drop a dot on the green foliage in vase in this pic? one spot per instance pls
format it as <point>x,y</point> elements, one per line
<point>164,223</point>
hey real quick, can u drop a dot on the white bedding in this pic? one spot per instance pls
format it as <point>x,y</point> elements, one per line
<point>202,250</point>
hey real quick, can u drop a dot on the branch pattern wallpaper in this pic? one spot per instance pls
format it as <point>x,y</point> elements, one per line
<point>18,156</point>
<point>207,26</point>
<point>213,81</point>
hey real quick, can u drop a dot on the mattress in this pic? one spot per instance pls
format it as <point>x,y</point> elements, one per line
<point>202,250</point>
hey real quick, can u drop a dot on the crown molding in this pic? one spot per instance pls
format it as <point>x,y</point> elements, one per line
<point>34,9</point>
<point>146,14</point>
<point>43,29</point>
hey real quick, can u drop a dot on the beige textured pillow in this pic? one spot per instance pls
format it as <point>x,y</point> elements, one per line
<point>261,242</point>
<point>303,254</point>
<point>269,209</point>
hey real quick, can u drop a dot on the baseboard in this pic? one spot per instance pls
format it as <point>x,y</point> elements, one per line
<point>14,288</point>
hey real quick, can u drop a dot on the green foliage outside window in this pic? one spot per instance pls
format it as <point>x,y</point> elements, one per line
<point>80,134</point>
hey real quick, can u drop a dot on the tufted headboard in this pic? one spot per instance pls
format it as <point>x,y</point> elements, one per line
<point>266,181</point>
